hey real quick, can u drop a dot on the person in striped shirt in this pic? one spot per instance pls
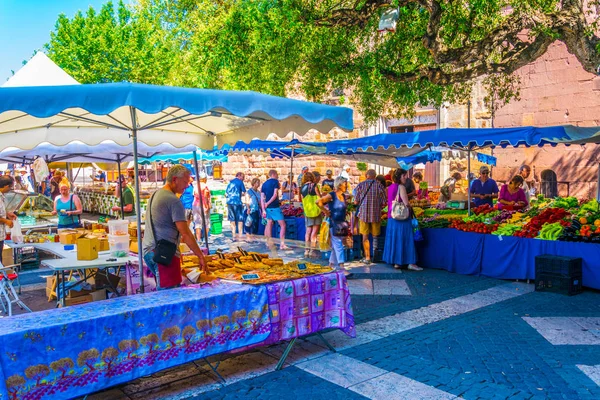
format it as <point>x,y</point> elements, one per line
<point>370,199</point>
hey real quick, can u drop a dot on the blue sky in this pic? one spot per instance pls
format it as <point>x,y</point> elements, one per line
<point>25,26</point>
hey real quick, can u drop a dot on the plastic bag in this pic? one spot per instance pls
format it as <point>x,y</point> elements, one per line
<point>324,239</point>
<point>40,169</point>
<point>417,233</point>
<point>15,232</point>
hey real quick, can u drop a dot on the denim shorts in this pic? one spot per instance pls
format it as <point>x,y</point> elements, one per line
<point>274,214</point>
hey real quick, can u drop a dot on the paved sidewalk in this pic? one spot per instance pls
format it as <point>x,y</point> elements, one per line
<point>420,335</point>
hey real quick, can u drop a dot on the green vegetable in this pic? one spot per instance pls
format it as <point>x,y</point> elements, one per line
<point>506,230</point>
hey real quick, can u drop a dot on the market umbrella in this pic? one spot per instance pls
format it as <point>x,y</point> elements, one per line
<point>126,113</point>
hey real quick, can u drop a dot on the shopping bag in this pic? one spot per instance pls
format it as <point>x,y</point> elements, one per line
<point>324,239</point>
<point>15,232</point>
<point>417,233</point>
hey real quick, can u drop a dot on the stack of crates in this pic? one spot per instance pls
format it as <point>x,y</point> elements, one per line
<point>28,257</point>
<point>290,229</point>
<point>216,224</point>
<point>377,246</point>
<point>558,274</point>
<point>357,247</point>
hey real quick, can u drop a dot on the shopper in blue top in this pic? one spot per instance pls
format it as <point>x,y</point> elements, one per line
<point>484,190</point>
<point>235,210</point>
<point>270,206</point>
<point>68,208</point>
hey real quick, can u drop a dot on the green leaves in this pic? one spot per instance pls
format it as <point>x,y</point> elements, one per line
<point>310,47</point>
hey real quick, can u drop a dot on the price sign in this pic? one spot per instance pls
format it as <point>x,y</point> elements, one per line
<point>250,277</point>
<point>302,267</point>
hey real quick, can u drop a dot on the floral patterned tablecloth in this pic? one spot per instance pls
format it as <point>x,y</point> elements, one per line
<point>82,349</point>
<point>307,305</point>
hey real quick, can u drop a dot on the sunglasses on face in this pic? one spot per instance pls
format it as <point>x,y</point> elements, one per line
<point>485,173</point>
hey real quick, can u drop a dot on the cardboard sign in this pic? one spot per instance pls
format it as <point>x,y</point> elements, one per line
<point>250,277</point>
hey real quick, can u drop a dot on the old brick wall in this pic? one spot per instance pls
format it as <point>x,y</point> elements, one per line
<point>555,90</point>
<point>258,165</point>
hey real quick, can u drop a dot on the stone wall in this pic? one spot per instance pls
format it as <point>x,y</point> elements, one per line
<point>555,90</point>
<point>258,166</point>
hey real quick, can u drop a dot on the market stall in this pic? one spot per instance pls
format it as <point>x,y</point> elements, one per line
<point>504,244</point>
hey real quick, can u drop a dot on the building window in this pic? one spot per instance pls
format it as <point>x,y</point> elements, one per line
<point>402,129</point>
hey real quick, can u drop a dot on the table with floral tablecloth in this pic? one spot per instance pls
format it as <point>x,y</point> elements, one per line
<point>77,350</point>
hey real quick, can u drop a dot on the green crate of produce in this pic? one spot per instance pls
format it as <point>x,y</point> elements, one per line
<point>216,217</point>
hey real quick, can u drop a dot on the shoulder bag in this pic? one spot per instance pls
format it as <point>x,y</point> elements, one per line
<point>400,211</point>
<point>164,250</point>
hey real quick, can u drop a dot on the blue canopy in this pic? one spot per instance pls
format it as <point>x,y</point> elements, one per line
<point>187,157</point>
<point>471,138</point>
<point>280,149</point>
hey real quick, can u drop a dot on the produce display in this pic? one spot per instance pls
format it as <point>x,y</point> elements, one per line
<point>562,218</point>
<point>289,210</point>
<point>249,267</point>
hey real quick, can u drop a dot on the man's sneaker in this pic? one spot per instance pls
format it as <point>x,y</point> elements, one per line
<point>414,267</point>
<point>366,261</point>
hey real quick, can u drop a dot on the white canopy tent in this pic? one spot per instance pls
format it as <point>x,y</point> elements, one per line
<point>127,114</point>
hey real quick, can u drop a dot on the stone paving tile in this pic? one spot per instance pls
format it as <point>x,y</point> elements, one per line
<point>565,330</point>
<point>341,370</point>
<point>163,377</point>
<point>178,390</point>
<point>244,366</point>
<point>289,383</point>
<point>340,341</point>
<point>592,371</point>
<point>303,350</point>
<point>391,386</point>
<point>391,288</point>
<point>360,286</point>
<point>112,394</point>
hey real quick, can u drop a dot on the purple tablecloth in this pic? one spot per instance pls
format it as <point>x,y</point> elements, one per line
<point>308,305</point>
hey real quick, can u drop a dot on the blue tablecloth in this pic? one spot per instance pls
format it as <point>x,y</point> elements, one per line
<point>505,257</point>
<point>82,349</point>
<point>514,258</point>
<point>451,250</point>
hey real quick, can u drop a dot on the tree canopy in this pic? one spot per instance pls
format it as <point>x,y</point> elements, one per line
<point>312,47</point>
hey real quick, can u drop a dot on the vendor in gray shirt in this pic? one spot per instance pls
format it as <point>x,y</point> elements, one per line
<point>167,215</point>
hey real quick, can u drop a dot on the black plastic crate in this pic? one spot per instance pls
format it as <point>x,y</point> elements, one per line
<point>558,265</point>
<point>558,284</point>
<point>378,255</point>
<point>348,255</point>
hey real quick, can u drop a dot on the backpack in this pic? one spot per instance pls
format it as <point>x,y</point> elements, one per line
<point>309,201</point>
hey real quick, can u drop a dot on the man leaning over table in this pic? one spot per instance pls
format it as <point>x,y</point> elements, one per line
<point>167,214</point>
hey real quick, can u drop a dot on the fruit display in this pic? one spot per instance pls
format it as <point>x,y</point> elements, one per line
<point>422,203</point>
<point>565,219</point>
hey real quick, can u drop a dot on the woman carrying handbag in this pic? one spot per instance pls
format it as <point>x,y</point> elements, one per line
<point>399,246</point>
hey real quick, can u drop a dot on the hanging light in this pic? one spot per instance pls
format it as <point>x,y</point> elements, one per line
<point>388,20</point>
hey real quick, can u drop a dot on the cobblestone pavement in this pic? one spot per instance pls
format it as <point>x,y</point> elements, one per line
<point>420,335</point>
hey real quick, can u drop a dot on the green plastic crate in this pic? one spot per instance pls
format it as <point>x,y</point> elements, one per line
<point>216,228</point>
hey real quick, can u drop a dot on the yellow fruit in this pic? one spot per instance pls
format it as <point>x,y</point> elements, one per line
<point>597,222</point>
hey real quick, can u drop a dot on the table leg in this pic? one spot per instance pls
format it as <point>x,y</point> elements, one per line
<point>329,346</point>
<point>285,354</point>
<point>214,369</point>
<point>63,291</point>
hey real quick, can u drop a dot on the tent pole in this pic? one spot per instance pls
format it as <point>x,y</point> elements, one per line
<point>291,172</point>
<point>138,209</point>
<point>120,187</point>
<point>201,199</point>
<point>469,183</point>
<point>598,184</point>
